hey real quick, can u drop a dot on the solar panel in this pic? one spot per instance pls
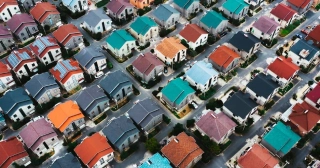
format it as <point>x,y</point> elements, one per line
<point>24,55</point>
<point>61,69</point>
<point>46,41</point>
<point>13,60</point>
<point>39,45</point>
<point>68,65</point>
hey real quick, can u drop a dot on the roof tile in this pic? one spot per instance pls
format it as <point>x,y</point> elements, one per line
<point>169,47</point>
<point>223,56</point>
<point>283,67</point>
<point>192,32</point>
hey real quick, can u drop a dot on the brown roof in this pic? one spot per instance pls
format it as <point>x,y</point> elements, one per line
<point>42,10</point>
<point>283,12</point>
<point>10,151</point>
<point>4,3</point>
<point>283,67</point>
<point>223,56</point>
<point>65,32</point>
<point>299,3</point>
<point>315,34</point>
<point>182,150</point>
<point>146,63</point>
<point>169,47</point>
<point>192,32</point>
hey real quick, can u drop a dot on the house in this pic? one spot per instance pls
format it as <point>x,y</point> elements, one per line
<point>186,8</point>
<point>95,151</point>
<point>67,160</point>
<point>22,26</point>
<point>265,28</point>
<point>300,6</point>
<point>171,51</point>
<point>262,88</point>
<point>202,75</point>
<point>235,9</point>
<point>12,151</point>
<point>69,36</point>
<point>224,59</point>
<point>6,79</point>
<point>148,67</point>
<point>120,9</point>
<point>141,4</point>
<point>177,94</point>
<point>314,36</point>
<point>8,8</point>
<point>91,60</point>
<point>243,100</point>
<point>46,14</point>
<point>217,126</point>
<point>93,102</point>
<point>46,49</point>
<point>244,44</point>
<point>6,39</point>
<point>282,70</point>
<point>303,53</point>
<point>193,35</point>
<point>3,123</point>
<point>28,4</point>
<point>283,14</point>
<point>182,151</point>
<point>67,118</point>
<point>68,74</point>
<point>76,5</point>
<point>166,16</point>
<point>280,146</point>
<point>121,43</point>
<point>121,132</point>
<point>39,136</point>
<point>254,3</point>
<point>146,114</point>
<point>156,161</point>
<point>16,104</point>
<point>213,22</point>
<point>258,156</point>
<point>144,29</point>
<point>314,4</point>
<point>97,22</point>
<point>313,96</point>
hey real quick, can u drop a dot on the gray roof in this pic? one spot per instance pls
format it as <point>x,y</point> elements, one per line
<point>244,41</point>
<point>12,100</point>
<point>240,104</point>
<point>39,84</point>
<point>262,85</point>
<point>93,17</point>
<point>67,161</point>
<point>301,44</point>
<point>88,56</point>
<point>164,11</point>
<point>119,129</point>
<point>114,82</point>
<point>144,111</point>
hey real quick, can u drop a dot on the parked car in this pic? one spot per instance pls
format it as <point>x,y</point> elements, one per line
<point>194,104</point>
<point>299,36</point>
<point>98,74</point>
<point>223,34</point>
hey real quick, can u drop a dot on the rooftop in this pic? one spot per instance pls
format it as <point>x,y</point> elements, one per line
<point>64,32</point>
<point>283,12</point>
<point>117,6</point>
<point>235,6</point>
<point>42,10</point>
<point>17,19</point>
<point>41,44</point>
<point>13,99</point>
<point>192,32</point>
<point>244,41</point>
<point>266,25</point>
<point>283,67</point>
<point>11,150</point>
<point>201,72</point>
<point>184,4</point>
<point>169,47</point>
<point>299,3</point>
<point>223,56</point>
<point>94,17</point>
<point>90,96</point>
<point>4,32</point>
<point>63,70</point>
<point>68,160</point>
<point>212,19</point>
<point>314,33</point>
<point>17,57</point>
<point>314,94</point>
<point>262,85</point>
<point>164,11</point>
<point>118,38</point>
<point>142,25</point>
<point>114,81</point>
<point>243,100</point>
<point>88,56</point>
<point>301,45</point>
<point>177,90</point>
<point>145,63</point>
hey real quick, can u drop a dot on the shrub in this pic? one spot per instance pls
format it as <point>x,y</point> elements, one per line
<point>184,42</point>
<point>318,78</point>
<point>166,119</point>
<point>109,65</point>
<point>152,50</point>
<point>294,96</point>
<point>191,52</point>
<point>199,49</point>
<point>310,83</point>
<point>163,32</point>
<point>177,129</point>
<point>153,145</point>
<point>190,123</point>
<point>157,2</point>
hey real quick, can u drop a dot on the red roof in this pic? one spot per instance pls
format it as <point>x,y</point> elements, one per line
<point>314,34</point>
<point>4,3</point>
<point>35,48</point>
<point>146,63</point>
<point>22,61</point>
<point>42,10</point>
<point>223,56</point>
<point>283,67</point>
<point>192,32</point>
<point>65,32</point>
<point>299,3</point>
<point>314,94</point>
<point>10,151</point>
<point>4,70</point>
<point>69,72</point>
<point>283,12</point>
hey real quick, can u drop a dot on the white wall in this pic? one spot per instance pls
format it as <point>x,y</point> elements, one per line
<point>107,24</point>
<point>281,81</point>
<point>296,59</point>
<point>143,39</point>
<point>107,158</point>
<point>169,60</point>
<point>102,64</point>
<point>259,35</point>
<point>56,56</point>
<point>14,9</point>
<point>69,130</point>
<point>75,5</point>
<point>42,149</point>
<point>55,92</point>
<point>123,51</point>
<point>201,87</point>
<point>5,80</point>
<point>23,69</point>
<point>200,41</point>
<point>26,110</point>
<point>70,83</point>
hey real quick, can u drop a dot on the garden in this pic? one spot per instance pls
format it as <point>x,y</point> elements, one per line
<point>283,91</point>
<point>206,95</point>
<point>249,61</point>
<point>287,30</point>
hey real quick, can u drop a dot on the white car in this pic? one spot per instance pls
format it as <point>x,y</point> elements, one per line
<point>98,74</point>
<point>194,105</point>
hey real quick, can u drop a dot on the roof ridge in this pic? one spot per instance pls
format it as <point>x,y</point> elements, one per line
<point>189,153</point>
<point>215,121</point>
<point>5,151</point>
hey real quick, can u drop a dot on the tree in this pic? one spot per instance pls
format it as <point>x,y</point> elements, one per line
<point>213,147</point>
<point>177,129</point>
<point>318,78</point>
<point>190,123</point>
<point>184,42</point>
<point>310,83</point>
<point>163,32</point>
<point>157,2</point>
<point>294,96</point>
<point>152,145</point>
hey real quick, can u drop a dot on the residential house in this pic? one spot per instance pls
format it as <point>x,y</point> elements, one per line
<point>12,151</point>
<point>97,21</point>
<point>91,60</point>
<point>202,75</point>
<point>193,35</point>
<point>148,67</point>
<point>3,123</point>
<point>120,9</point>
<point>182,151</point>
<point>283,14</point>
<point>67,118</point>
<point>141,4</point>
<point>68,74</point>
<point>6,39</point>
<point>28,4</point>
<point>8,8</point>
<point>156,161</point>
<point>224,59</point>
<point>68,36</point>
<point>254,3</point>
<point>177,94</point>
<point>43,88</point>
<point>314,36</point>
<point>121,43</point>
<point>166,16</point>
<point>186,8</point>
<point>313,96</point>
<point>303,53</point>
<point>300,6</point>
<point>235,9</point>
<point>244,44</point>
<point>93,102</point>
<point>46,49</point>
<point>121,132</point>
<point>217,126</point>
<point>46,14</point>
<point>144,29</point>
<point>213,22</point>
<point>22,26</point>
<point>95,151</point>
<point>39,136</point>
<point>16,104</point>
<point>67,160</point>
<point>243,100</point>
<point>6,79</point>
<point>146,114</point>
<point>76,5</point>
<point>171,51</point>
<point>280,146</point>
<point>314,4</point>
<point>265,28</point>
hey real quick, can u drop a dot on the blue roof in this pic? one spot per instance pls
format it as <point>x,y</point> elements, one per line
<point>164,11</point>
<point>1,118</point>
<point>300,45</point>
<point>70,2</point>
<point>118,38</point>
<point>13,99</point>
<point>184,4</point>
<point>93,17</point>
<point>235,6</point>
<point>156,161</point>
<point>201,72</point>
<point>88,56</point>
<point>212,19</point>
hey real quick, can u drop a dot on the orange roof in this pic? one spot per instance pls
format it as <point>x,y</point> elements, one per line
<point>42,10</point>
<point>169,47</point>
<point>92,149</point>
<point>182,151</point>
<point>223,56</point>
<point>299,3</point>
<point>192,32</point>
<point>64,114</point>
<point>4,70</point>
<point>65,32</point>
<point>5,3</point>
<point>257,156</point>
<point>314,34</point>
<point>283,67</point>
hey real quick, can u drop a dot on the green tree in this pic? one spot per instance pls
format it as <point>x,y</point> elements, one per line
<point>190,123</point>
<point>152,145</point>
<point>310,83</point>
<point>177,129</point>
<point>163,32</point>
<point>184,42</point>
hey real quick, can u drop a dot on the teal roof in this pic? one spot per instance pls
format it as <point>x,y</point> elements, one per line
<point>143,24</point>
<point>281,138</point>
<point>156,161</point>
<point>212,19</point>
<point>1,118</point>
<point>184,3</point>
<point>235,6</point>
<point>118,38</point>
<point>177,90</point>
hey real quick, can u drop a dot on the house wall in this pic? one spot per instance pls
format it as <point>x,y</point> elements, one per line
<point>243,54</point>
<point>127,90</point>
<point>74,42</point>
<point>80,123</point>
<point>27,109</point>
<point>41,149</point>
<point>239,16</point>
<point>200,41</point>
<point>28,4</point>
<point>5,16</point>
<point>280,81</point>
<point>140,4</point>
<point>122,15</point>
<point>175,106</point>
<point>56,54</point>
<point>129,141</point>
<point>125,50</point>
<point>313,104</point>
<point>22,71</point>
<point>7,82</point>
<point>73,81</point>
<point>151,75</point>
<point>102,64</point>
<point>201,87</point>
<point>22,161</point>
<point>51,20</point>
<point>262,36</point>
<point>299,61</point>
<point>222,26</point>
<point>143,39</point>
<point>93,112</point>
<point>194,7</point>
<point>74,6</point>
<point>258,99</point>
<point>2,125</point>
<point>6,42</point>
<point>99,28</point>
<point>253,3</point>
<point>169,61</point>
<point>23,34</point>
<point>233,64</point>
<point>238,118</point>
<point>107,158</point>
<point>299,10</point>
<point>194,161</point>
<point>170,23</point>
<point>283,23</point>
<point>54,92</point>
<point>153,123</point>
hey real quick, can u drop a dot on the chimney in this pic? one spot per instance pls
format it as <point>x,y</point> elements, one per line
<point>149,162</point>
<point>306,111</point>
<point>176,140</point>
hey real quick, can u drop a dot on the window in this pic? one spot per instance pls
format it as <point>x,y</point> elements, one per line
<point>57,51</point>
<point>317,105</point>
<point>22,34</point>
<point>34,29</point>
<point>38,149</point>
<point>40,153</point>
<point>101,161</point>
<point>20,71</point>
<point>52,139</point>
<point>5,18</point>
<point>24,38</point>
<point>9,41</point>
<point>279,20</point>
<point>46,62</point>
<point>15,8</point>
<point>33,64</point>
<point>79,38</point>
<point>262,33</point>
<point>75,6</point>
<point>29,107</point>
<point>98,27</point>
<point>130,10</point>
<point>8,78</point>
<point>3,14</point>
<point>15,115</point>
<point>44,58</point>
<point>118,95</point>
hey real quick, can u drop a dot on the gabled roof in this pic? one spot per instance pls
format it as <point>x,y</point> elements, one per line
<point>5,3</point>
<point>94,17</point>
<point>243,100</point>
<point>16,21</point>
<point>182,150</point>
<point>156,161</point>
<point>244,41</point>
<point>92,149</point>
<point>65,69</point>
<point>65,32</point>
<point>42,45</point>
<point>300,45</point>
<point>68,160</point>
<point>90,97</point>
<point>266,25</point>
<point>314,94</point>
<point>169,47</point>
<point>142,25</point>
<point>88,56</point>
<point>299,3</point>
<point>177,90</point>
<point>192,32</point>
<point>114,81</point>
<point>164,11</point>
<point>12,100</point>
<point>11,150</point>
<point>42,10</point>
<point>314,33</point>
<point>118,38</point>
<point>19,57</point>
<point>5,33</point>
<point>212,19</point>
<point>283,67</point>
<point>117,6</point>
<point>184,4</point>
<point>223,56</point>
<point>235,6</point>
<point>4,70</point>
<point>146,62</point>
<point>283,12</point>
<point>262,85</point>
<point>201,72</point>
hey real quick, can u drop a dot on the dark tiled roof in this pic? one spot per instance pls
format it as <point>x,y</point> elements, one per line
<point>301,44</point>
<point>262,85</point>
<point>88,56</point>
<point>240,104</point>
<point>66,161</point>
<point>244,41</point>
<point>114,82</point>
<point>13,99</point>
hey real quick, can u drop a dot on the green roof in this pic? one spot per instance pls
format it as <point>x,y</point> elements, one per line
<point>235,6</point>
<point>143,24</point>
<point>177,90</point>
<point>281,138</point>
<point>184,4</point>
<point>118,38</point>
<point>212,19</point>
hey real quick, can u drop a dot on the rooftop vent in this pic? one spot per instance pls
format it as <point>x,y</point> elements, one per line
<point>149,162</point>
<point>213,115</point>
<point>306,111</point>
<point>304,53</point>
<point>176,140</point>
<point>245,35</point>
